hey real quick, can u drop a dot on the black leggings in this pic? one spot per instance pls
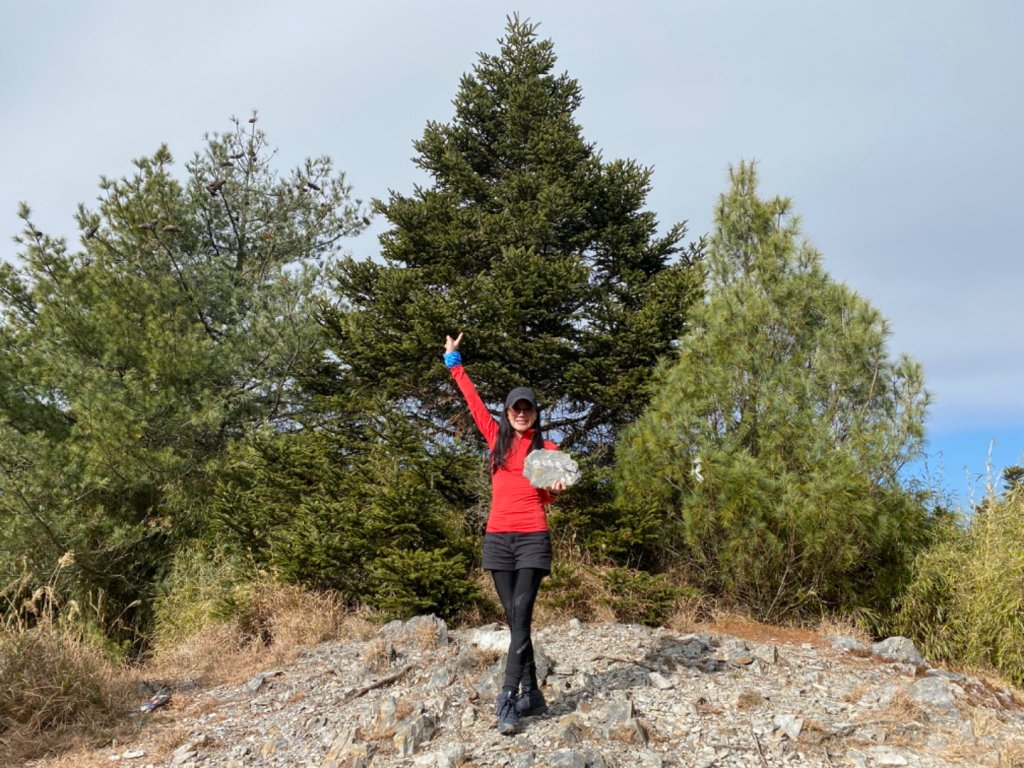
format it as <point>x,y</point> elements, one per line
<point>518,592</point>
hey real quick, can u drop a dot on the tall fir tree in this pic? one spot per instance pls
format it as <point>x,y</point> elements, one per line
<point>531,243</point>
<point>768,462</point>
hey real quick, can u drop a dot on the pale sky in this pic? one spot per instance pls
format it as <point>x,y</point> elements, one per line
<point>894,126</point>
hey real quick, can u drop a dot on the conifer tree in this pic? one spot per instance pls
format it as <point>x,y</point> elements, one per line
<point>363,506</point>
<point>531,243</point>
<point>768,460</point>
<point>129,365</point>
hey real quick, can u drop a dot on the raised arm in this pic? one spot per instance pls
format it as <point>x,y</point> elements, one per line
<point>484,420</point>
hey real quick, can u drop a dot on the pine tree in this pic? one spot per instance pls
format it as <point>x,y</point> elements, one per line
<point>529,242</point>
<point>128,366</point>
<point>768,461</point>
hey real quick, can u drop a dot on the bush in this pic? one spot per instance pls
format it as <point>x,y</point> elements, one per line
<point>408,584</point>
<point>200,588</point>
<point>591,592</point>
<point>366,508</point>
<point>573,589</point>
<point>50,679</point>
<point>638,597</point>
<point>966,600</point>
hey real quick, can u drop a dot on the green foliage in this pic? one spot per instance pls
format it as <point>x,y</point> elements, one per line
<point>128,366</point>
<point>768,458</point>
<point>408,583</point>
<point>363,505</point>
<point>603,525</point>
<point>530,242</point>
<point>567,590</point>
<point>639,597</point>
<point>201,587</point>
<point>966,600</point>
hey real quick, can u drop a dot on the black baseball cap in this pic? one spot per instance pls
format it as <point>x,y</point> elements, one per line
<point>521,393</point>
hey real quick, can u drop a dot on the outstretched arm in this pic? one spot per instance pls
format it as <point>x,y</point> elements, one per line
<point>484,421</point>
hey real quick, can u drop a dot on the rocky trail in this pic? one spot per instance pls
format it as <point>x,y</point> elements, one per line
<point>419,694</point>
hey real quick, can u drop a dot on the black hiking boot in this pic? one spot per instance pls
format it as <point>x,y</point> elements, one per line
<point>531,702</point>
<point>508,717</point>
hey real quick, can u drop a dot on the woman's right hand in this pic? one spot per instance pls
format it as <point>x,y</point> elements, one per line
<point>452,345</point>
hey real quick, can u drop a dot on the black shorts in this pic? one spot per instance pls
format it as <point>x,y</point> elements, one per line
<point>512,551</point>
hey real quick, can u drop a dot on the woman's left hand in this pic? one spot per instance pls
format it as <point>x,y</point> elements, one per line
<point>558,486</point>
<point>452,345</point>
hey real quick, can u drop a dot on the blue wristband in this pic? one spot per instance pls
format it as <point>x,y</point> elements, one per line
<point>451,359</point>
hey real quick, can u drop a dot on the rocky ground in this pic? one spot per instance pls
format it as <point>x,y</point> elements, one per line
<point>418,694</point>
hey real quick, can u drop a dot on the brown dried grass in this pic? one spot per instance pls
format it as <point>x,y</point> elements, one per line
<point>903,708</point>
<point>749,699</point>
<point>282,620</point>
<point>833,626</point>
<point>1012,753</point>
<point>64,703</point>
<point>57,688</point>
<point>985,725</point>
<point>379,654</point>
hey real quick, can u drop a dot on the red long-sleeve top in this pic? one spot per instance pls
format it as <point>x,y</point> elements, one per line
<point>516,506</point>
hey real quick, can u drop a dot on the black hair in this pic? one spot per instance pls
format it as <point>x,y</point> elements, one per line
<point>504,441</point>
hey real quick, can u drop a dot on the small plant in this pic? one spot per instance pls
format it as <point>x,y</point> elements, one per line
<point>639,597</point>
<point>574,589</point>
<point>416,582</point>
<point>379,654</point>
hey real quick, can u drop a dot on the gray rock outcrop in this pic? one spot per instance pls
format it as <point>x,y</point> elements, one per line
<point>619,696</point>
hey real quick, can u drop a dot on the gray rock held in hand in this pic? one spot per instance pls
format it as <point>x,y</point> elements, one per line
<point>544,468</point>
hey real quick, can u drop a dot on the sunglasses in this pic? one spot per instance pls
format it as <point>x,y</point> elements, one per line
<point>528,408</point>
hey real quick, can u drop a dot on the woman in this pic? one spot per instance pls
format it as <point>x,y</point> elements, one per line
<point>517,546</point>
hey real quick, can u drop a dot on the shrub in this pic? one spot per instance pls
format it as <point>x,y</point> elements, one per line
<point>201,588</point>
<point>408,584</point>
<point>966,600</point>
<point>638,597</point>
<point>573,589</point>
<point>365,507</point>
<point>55,681</point>
<point>51,679</point>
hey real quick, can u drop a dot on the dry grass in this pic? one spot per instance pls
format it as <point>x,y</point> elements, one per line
<point>79,752</point>
<point>283,621</point>
<point>984,725</point>
<point>726,621</point>
<point>855,694</point>
<point>57,689</point>
<point>903,709</point>
<point>1012,754</point>
<point>379,654</point>
<point>65,702</point>
<point>691,614</point>
<point>60,687</point>
<point>426,635</point>
<point>833,626</point>
<point>749,699</point>
<point>484,659</point>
